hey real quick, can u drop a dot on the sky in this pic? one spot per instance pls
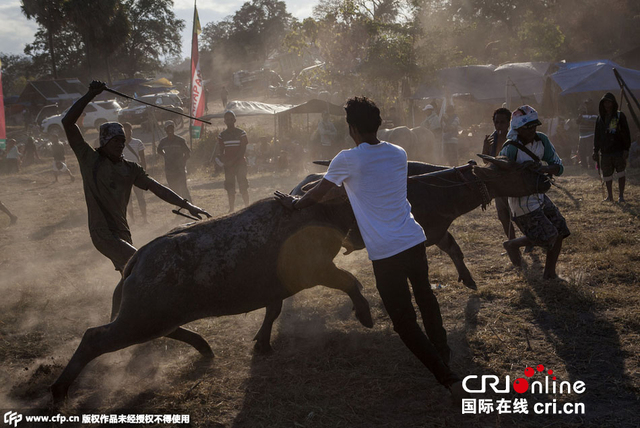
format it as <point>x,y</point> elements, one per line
<point>16,31</point>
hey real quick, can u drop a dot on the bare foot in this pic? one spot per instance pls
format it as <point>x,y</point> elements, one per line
<point>513,253</point>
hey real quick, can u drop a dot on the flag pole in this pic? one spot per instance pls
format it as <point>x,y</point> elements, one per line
<point>191,68</point>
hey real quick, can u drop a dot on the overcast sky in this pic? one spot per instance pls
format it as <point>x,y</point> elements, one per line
<point>16,31</point>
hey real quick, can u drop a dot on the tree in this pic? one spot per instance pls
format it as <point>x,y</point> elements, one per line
<point>48,14</point>
<point>103,26</point>
<point>154,31</point>
<point>69,53</point>
<point>16,71</point>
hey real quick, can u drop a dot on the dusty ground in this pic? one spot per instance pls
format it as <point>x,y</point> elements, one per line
<point>327,370</point>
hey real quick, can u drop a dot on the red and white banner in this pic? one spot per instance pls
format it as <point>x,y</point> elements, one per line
<point>197,85</point>
<point>3,129</point>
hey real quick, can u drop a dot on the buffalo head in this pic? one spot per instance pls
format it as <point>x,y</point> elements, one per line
<point>506,178</point>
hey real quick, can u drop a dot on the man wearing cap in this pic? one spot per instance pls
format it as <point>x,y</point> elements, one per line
<point>175,152</point>
<point>536,216</point>
<point>611,144</point>
<point>232,143</point>
<point>432,121</point>
<point>107,179</point>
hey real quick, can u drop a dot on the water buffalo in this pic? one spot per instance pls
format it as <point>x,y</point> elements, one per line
<point>245,261</point>
<point>419,143</point>
<point>439,194</point>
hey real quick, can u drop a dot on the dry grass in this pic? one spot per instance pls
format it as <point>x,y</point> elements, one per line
<point>327,370</point>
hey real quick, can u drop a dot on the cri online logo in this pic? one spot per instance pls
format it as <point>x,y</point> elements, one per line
<point>521,384</point>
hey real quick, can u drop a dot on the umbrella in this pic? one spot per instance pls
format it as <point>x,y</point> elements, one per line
<point>588,76</point>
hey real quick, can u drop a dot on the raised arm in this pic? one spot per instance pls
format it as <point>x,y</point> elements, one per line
<point>173,198</point>
<point>74,136</point>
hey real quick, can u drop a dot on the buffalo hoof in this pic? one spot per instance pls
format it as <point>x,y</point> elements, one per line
<point>59,393</point>
<point>469,283</point>
<point>363,314</point>
<point>262,348</point>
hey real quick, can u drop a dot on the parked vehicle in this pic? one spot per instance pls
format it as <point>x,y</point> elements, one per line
<point>137,113</point>
<point>96,113</point>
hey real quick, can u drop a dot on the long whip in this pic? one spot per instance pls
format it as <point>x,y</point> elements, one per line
<point>120,94</point>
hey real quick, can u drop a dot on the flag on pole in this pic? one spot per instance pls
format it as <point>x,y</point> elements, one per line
<point>3,129</point>
<point>197,86</point>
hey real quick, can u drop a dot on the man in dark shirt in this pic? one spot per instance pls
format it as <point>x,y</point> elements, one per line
<point>175,152</point>
<point>107,179</point>
<point>59,164</point>
<point>233,144</point>
<point>611,144</point>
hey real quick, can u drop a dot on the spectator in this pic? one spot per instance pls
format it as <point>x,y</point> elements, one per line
<point>492,145</point>
<point>175,151</point>
<point>450,131</point>
<point>432,121</point>
<point>327,134</point>
<point>634,153</point>
<point>13,156</point>
<point>30,153</point>
<point>134,152</point>
<point>233,145</point>
<point>224,94</point>
<point>586,121</point>
<point>611,144</point>
<point>59,164</point>
<point>536,216</point>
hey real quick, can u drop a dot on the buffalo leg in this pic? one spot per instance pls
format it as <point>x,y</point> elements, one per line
<point>116,300</point>
<point>95,342</point>
<point>449,245</point>
<point>336,278</point>
<point>193,339</point>
<point>263,337</point>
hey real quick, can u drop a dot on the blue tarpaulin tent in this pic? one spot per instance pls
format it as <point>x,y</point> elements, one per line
<point>488,83</point>
<point>589,76</point>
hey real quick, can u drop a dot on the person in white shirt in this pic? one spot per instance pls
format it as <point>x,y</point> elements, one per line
<point>374,175</point>
<point>134,152</point>
<point>536,216</point>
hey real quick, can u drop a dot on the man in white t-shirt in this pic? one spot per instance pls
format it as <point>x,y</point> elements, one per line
<point>374,174</point>
<point>134,152</point>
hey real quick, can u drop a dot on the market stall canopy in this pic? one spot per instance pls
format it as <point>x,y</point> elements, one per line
<point>487,83</point>
<point>254,108</point>
<point>588,76</point>
<point>162,82</point>
<point>52,91</point>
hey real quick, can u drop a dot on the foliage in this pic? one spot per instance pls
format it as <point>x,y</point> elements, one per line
<point>154,32</point>
<point>98,38</point>
<point>16,70</point>
<point>245,39</point>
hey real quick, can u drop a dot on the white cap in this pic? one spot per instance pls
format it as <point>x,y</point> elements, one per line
<point>427,107</point>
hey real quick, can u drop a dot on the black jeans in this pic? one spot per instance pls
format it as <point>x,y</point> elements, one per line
<point>391,280</point>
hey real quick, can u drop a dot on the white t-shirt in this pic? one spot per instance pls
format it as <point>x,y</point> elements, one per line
<point>137,147</point>
<point>375,178</point>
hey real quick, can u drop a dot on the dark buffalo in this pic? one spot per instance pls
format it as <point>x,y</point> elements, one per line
<point>439,194</point>
<point>249,260</point>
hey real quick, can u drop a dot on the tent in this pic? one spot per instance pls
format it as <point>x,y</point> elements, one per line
<point>589,76</point>
<point>42,92</point>
<point>488,83</point>
<point>254,108</point>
